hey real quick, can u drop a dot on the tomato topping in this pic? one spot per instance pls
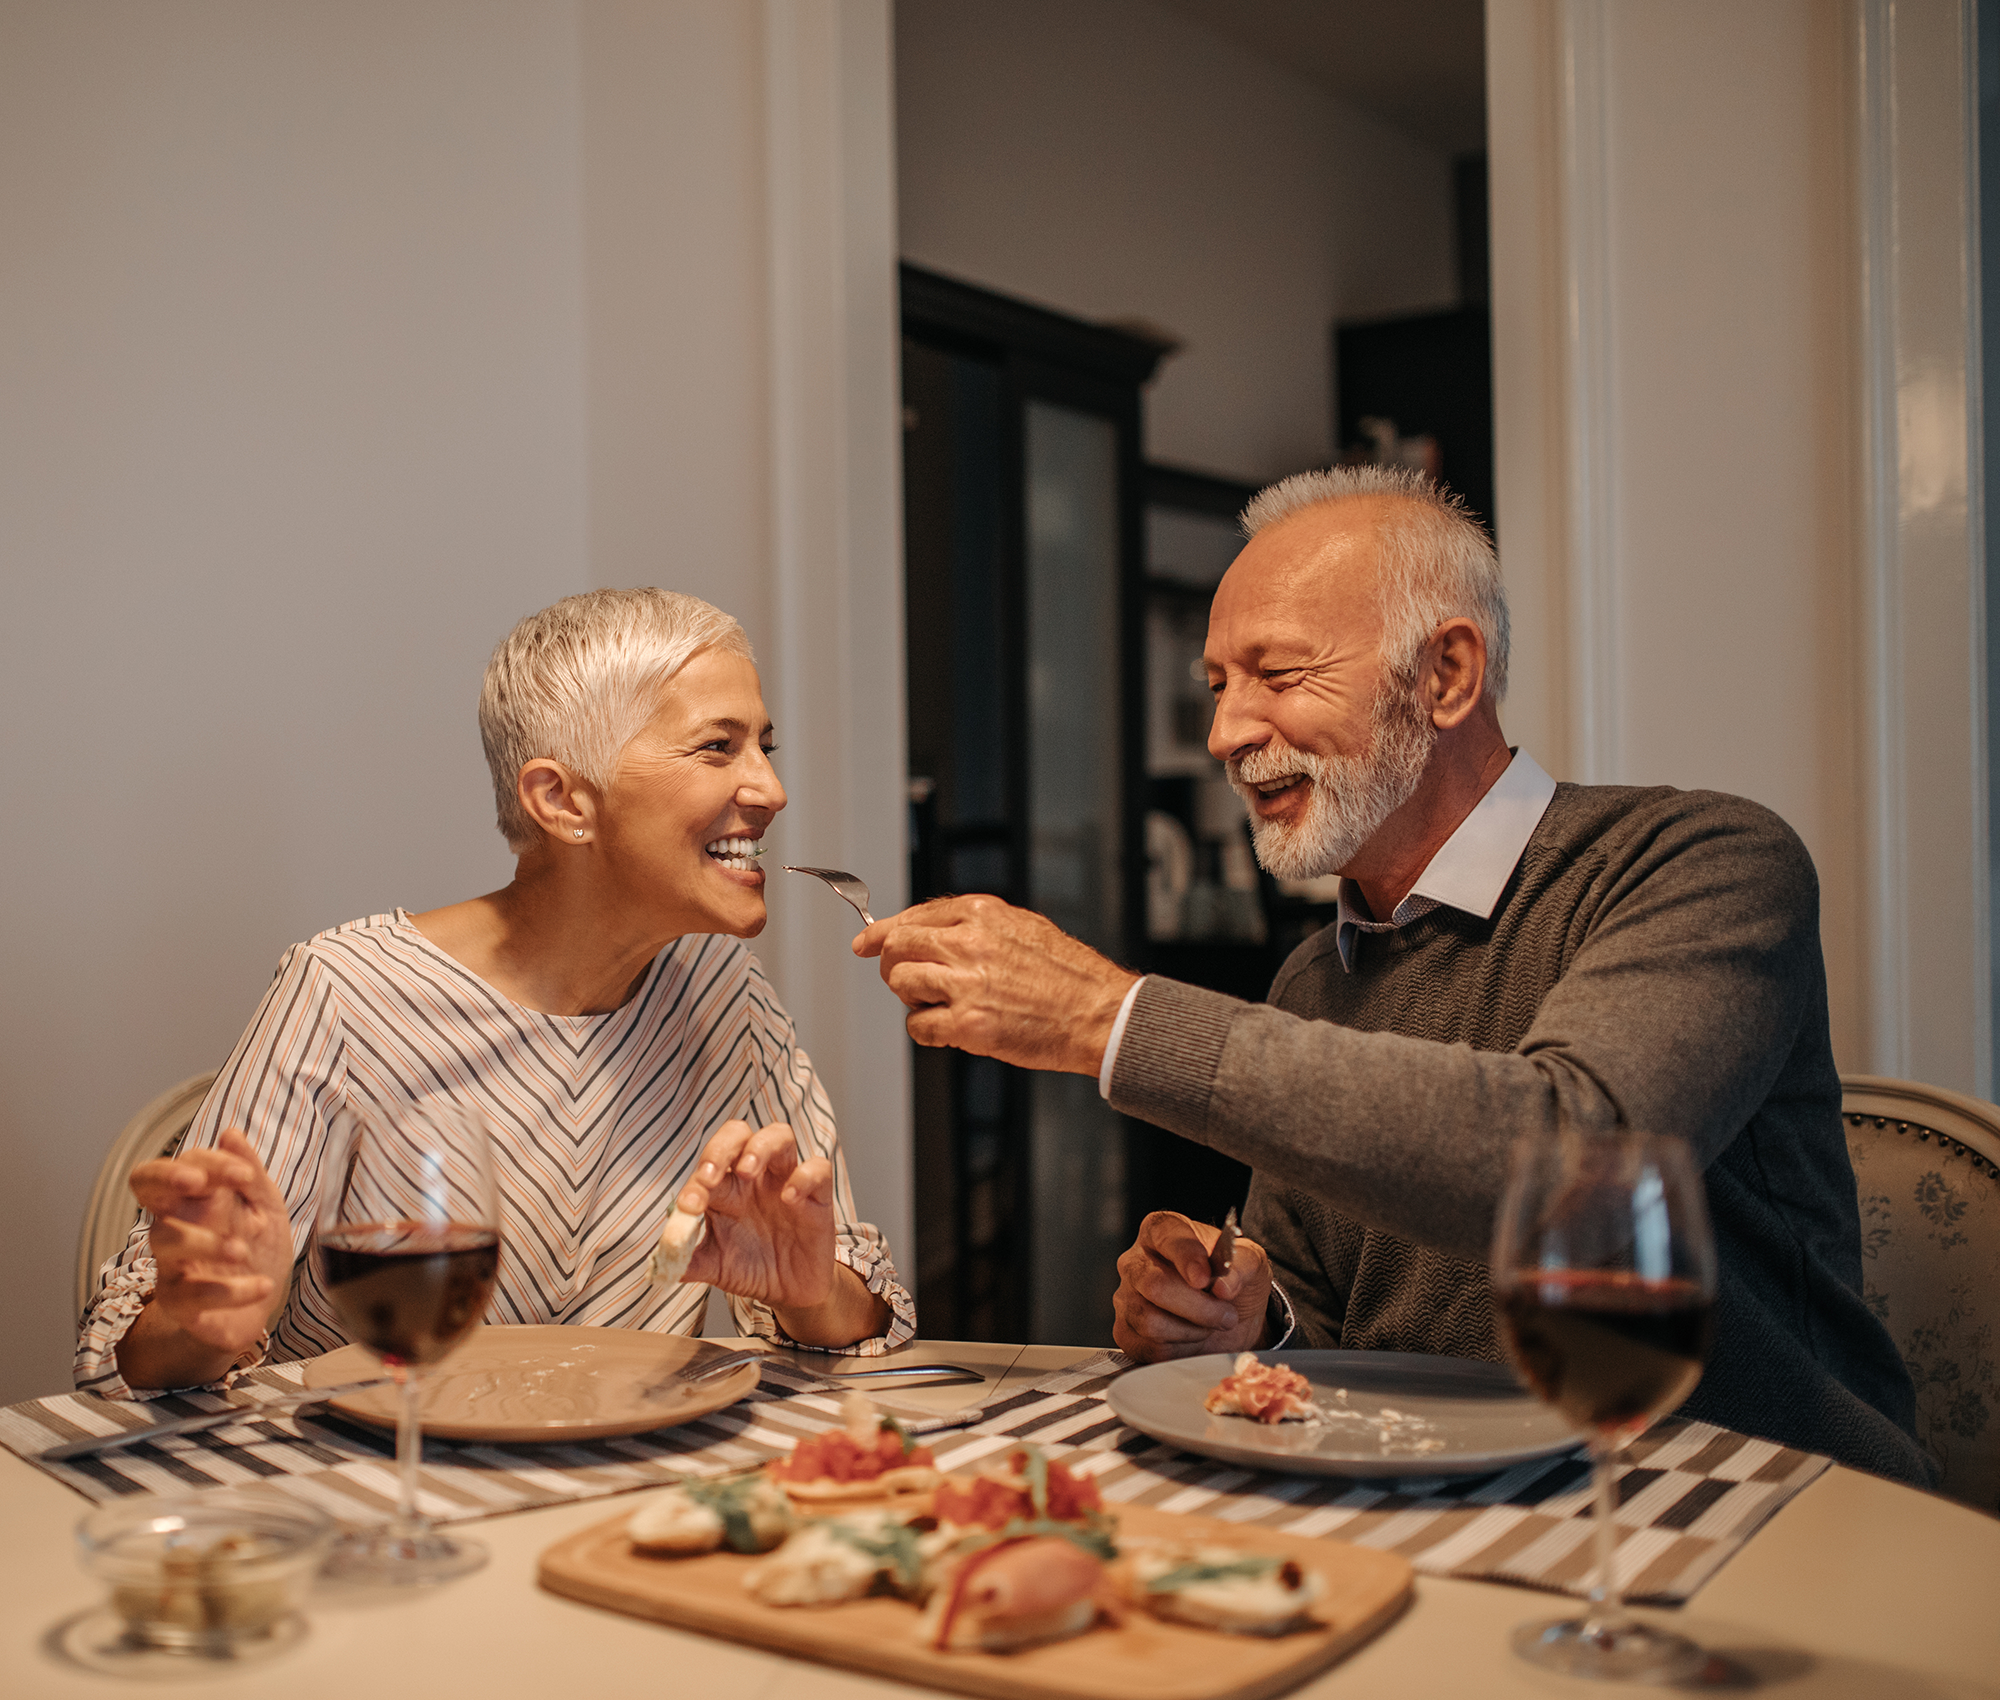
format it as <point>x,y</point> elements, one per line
<point>987,1503</point>
<point>838,1457</point>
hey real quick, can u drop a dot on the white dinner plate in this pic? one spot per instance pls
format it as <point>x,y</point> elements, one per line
<point>1450,1416</point>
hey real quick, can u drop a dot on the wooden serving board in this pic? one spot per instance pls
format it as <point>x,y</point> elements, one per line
<point>1142,1659</point>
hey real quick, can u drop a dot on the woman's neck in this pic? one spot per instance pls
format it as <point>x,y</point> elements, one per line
<point>549,942</point>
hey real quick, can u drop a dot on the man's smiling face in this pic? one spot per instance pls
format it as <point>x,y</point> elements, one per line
<point>1315,735</point>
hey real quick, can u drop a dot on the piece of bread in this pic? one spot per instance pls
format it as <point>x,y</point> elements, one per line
<point>675,1251</point>
<point>839,1558</point>
<point>671,1525</point>
<point>743,1513</point>
<point>1224,1588</point>
<point>898,1484</point>
<point>987,1634</point>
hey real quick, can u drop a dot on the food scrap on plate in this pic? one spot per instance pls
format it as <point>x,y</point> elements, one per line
<point>1265,1393</point>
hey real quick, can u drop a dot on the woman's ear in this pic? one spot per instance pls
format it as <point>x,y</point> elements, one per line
<point>558,802</point>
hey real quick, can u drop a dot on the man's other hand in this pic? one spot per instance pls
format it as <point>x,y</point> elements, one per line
<point>998,981</point>
<point>1165,1306</point>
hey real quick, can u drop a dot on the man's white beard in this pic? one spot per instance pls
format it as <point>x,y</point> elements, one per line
<point>1350,796</point>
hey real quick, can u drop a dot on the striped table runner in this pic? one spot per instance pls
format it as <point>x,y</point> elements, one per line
<point>1689,1495</point>
<point>349,1469</point>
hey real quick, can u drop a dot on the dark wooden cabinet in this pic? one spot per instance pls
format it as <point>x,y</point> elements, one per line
<point>1023,536</point>
<point>1057,604</point>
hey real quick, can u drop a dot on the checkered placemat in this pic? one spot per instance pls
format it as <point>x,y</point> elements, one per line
<point>1689,1494</point>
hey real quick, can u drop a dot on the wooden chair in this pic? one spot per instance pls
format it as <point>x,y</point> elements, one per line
<point>108,1218</point>
<point>1927,1167</point>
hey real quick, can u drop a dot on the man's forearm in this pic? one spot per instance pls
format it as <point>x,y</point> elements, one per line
<point>1412,1136</point>
<point>1357,1119</point>
<point>848,1313</point>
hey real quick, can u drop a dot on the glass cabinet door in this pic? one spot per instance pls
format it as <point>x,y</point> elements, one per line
<point>1075,826</point>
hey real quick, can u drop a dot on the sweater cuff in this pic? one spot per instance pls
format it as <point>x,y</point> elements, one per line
<point>1279,1317</point>
<point>1170,1053</point>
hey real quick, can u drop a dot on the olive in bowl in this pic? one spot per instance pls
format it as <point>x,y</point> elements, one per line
<point>205,1572</point>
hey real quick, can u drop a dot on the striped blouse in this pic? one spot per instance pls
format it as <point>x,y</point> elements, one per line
<point>596,1120</point>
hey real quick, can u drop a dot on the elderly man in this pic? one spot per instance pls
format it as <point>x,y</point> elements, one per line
<point>1510,955</point>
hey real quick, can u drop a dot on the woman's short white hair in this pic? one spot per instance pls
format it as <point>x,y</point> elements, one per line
<point>575,683</point>
<point>1437,561</point>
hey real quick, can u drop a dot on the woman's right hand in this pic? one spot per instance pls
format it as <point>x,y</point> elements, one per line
<point>222,1240</point>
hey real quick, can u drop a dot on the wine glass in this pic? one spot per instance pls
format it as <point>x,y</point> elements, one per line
<point>408,1244</point>
<point>1604,1284</point>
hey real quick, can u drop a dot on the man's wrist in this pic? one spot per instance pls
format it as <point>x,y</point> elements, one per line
<point>1108,1061</point>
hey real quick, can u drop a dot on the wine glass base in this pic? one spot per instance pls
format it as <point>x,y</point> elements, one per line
<point>402,1559</point>
<point>1624,1651</point>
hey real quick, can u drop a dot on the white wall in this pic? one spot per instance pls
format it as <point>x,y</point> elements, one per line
<point>745,445</point>
<point>333,340</point>
<point>1117,159</point>
<point>1680,273</point>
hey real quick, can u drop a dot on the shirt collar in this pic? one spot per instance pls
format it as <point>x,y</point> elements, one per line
<point>1472,866</point>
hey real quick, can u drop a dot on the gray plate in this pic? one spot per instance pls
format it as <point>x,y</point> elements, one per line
<point>1484,1418</point>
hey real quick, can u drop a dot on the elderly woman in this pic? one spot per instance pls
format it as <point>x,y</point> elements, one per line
<point>601,1009</point>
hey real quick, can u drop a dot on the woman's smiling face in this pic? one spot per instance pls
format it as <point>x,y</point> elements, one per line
<point>684,815</point>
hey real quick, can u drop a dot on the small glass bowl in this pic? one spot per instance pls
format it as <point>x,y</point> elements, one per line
<point>206,1573</point>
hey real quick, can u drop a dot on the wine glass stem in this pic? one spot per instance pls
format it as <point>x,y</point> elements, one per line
<point>409,1453</point>
<point>1607,1606</point>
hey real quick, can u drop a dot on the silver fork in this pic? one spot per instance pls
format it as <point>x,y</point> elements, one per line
<point>846,884</point>
<point>713,1367</point>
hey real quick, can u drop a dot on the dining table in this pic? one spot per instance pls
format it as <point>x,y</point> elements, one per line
<point>1856,1587</point>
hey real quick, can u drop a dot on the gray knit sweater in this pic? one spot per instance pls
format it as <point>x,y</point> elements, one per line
<point>1655,954</point>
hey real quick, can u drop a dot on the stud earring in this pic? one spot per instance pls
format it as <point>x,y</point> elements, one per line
<point>579,832</point>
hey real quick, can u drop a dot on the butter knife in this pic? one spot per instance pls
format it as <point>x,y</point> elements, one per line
<point>1224,1253</point>
<point>901,1375</point>
<point>207,1420</point>
<point>912,1375</point>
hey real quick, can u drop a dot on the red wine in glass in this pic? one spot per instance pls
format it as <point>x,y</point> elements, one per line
<point>410,1291</point>
<point>1609,1349</point>
<point>407,1247</point>
<point>1604,1288</point>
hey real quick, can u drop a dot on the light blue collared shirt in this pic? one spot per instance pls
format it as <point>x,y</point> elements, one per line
<point>1472,866</point>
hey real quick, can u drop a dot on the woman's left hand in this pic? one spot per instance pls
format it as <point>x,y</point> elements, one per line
<point>770,1218</point>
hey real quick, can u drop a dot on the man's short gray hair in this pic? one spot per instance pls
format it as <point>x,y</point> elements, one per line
<point>1437,561</point>
<point>575,684</point>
